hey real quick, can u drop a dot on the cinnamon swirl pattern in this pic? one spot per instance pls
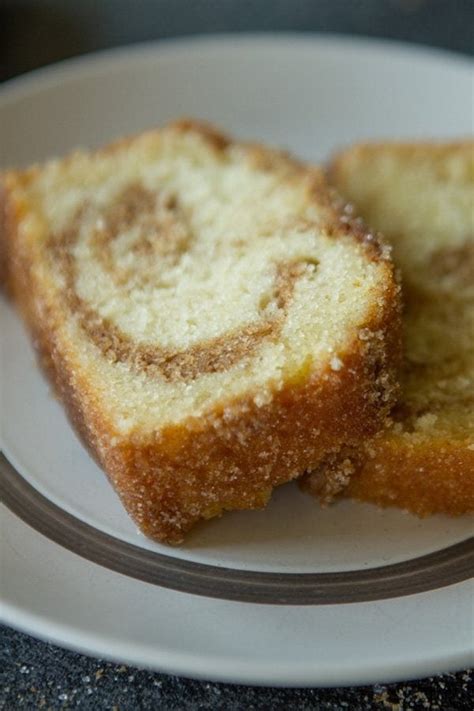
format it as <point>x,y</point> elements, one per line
<point>214,322</point>
<point>162,236</point>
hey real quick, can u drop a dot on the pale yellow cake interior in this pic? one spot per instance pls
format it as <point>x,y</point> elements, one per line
<point>422,198</point>
<point>202,263</point>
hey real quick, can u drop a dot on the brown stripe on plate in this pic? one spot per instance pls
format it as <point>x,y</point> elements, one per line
<point>435,570</point>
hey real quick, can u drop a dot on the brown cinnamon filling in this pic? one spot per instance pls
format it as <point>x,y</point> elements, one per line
<point>163,234</point>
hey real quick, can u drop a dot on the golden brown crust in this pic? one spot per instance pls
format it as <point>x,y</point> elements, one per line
<point>211,135</point>
<point>425,478</point>
<point>232,457</point>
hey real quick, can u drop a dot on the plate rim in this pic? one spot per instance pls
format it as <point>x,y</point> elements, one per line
<point>62,634</point>
<point>195,666</point>
<point>442,568</point>
<point>13,88</point>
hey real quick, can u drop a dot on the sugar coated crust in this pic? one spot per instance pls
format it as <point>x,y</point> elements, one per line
<point>434,476</point>
<point>232,455</point>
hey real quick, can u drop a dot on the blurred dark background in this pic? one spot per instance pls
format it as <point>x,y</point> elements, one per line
<point>38,32</point>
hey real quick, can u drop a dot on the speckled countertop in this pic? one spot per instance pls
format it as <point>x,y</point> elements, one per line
<point>36,675</point>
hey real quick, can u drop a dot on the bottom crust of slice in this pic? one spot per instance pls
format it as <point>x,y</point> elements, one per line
<point>233,458</point>
<point>434,476</point>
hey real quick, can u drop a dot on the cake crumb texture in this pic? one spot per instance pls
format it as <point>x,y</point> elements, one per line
<point>213,318</point>
<point>422,198</point>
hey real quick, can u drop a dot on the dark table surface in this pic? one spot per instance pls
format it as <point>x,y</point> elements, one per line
<point>36,675</point>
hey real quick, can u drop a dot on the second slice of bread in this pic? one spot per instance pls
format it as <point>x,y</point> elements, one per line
<point>213,321</point>
<point>422,197</point>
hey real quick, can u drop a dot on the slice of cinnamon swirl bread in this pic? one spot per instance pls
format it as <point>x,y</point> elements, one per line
<point>422,198</point>
<point>212,320</point>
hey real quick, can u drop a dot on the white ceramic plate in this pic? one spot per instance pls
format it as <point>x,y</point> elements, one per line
<point>292,595</point>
